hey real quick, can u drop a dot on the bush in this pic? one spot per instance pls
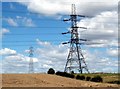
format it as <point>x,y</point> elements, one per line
<point>88,78</point>
<point>72,76</point>
<point>51,71</point>
<point>60,73</point>
<point>72,72</point>
<point>82,77</point>
<point>69,75</point>
<point>64,74</point>
<point>115,82</point>
<point>78,77</point>
<point>97,79</point>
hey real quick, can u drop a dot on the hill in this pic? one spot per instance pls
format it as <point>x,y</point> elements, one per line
<point>46,80</point>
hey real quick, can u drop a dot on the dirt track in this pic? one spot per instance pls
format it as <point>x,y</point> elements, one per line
<point>45,80</point>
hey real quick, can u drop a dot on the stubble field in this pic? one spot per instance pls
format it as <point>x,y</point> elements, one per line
<point>46,80</point>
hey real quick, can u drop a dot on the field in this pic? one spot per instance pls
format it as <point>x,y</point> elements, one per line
<point>107,77</point>
<point>46,80</point>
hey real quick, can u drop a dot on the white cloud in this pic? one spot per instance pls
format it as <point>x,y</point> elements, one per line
<point>102,28</point>
<point>52,51</point>
<point>43,43</point>
<point>87,7</point>
<point>101,43</point>
<point>27,21</point>
<point>13,62</point>
<point>12,6</point>
<point>113,52</point>
<point>7,51</point>
<point>18,17</point>
<point>17,63</point>
<point>47,66</point>
<point>105,64</point>
<point>12,22</point>
<point>3,31</point>
<point>54,55</point>
<point>20,57</point>
<point>20,21</point>
<point>10,54</point>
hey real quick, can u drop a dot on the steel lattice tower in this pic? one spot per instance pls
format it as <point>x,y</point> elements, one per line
<point>31,68</point>
<point>75,59</point>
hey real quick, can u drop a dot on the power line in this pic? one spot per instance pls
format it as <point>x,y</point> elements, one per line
<point>18,41</point>
<point>20,45</point>
<point>23,12</point>
<point>47,19</point>
<point>29,27</point>
<point>38,19</point>
<point>26,45</point>
<point>48,27</point>
<point>62,20</point>
<point>29,34</point>
<point>29,41</point>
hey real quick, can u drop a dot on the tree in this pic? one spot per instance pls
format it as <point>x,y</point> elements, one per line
<point>88,78</point>
<point>51,71</point>
<point>97,79</point>
<point>82,77</point>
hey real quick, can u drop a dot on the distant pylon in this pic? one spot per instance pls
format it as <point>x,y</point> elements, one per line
<point>31,68</point>
<point>75,59</point>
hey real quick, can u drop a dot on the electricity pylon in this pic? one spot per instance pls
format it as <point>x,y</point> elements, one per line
<point>75,59</point>
<point>31,68</point>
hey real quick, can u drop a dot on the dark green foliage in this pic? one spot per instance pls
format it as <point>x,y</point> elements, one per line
<point>82,77</point>
<point>91,77</point>
<point>72,72</point>
<point>115,82</point>
<point>70,75</point>
<point>60,73</point>
<point>88,78</point>
<point>64,74</point>
<point>97,79</point>
<point>78,77</point>
<point>51,71</point>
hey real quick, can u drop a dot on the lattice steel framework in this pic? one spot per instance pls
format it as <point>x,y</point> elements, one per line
<point>75,59</point>
<point>31,68</point>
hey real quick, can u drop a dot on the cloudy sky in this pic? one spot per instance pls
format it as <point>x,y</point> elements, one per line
<point>38,23</point>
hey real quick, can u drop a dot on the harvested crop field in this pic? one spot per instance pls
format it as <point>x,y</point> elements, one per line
<point>46,80</point>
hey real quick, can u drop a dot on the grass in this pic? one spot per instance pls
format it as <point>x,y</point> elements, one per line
<point>107,77</point>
